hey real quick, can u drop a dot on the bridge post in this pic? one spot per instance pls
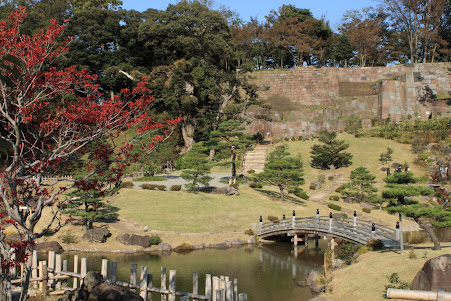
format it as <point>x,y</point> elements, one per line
<point>283,221</point>
<point>293,219</point>
<point>330,222</point>
<point>355,218</point>
<point>261,223</point>
<point>397,231</point>
<point>373,230</point>
<point>317,218</point>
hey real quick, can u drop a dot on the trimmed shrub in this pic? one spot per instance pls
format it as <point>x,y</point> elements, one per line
<point>375,244</point>
<point>366,210</point>
<point>334,198</point>
<point>153,187</point>
<point>176,187</point>
<point>334,206</point>
<point>344,215</point>
<point>340,188</point>
<point>251,171</point>
<point>272,218</point>
<point>155,239</point>
<point>126,185</point>
<point>249,232</point>
<point>255,185</point>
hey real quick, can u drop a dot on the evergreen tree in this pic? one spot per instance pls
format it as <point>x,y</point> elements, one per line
<point>282,171</point>
<point>229,140</point>
<point>87,203</point>
<point>361,188</point>
<point>386,157</point>
<point>399,188</point>
<point>330,154</point>
<point>197,168</point>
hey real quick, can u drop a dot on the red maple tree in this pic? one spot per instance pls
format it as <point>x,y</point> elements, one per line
<point>47,117</point>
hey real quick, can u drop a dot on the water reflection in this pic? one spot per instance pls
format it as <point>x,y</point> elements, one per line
<point>265,273</point>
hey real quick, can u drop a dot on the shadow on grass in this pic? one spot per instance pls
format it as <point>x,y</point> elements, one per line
<point>276,195</point>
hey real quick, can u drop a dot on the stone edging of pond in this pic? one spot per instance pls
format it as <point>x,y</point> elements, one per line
<point>168,248</point>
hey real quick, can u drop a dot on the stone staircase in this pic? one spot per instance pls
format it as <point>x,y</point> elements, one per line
<point>256,158</point>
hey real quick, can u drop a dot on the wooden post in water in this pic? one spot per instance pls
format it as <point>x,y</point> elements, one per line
<point>219,295</point>
<point>113,278</point>
<point>58,268</point>
<point>83,269</point>
<point>235,289</point>
<point>172,290</point>
<point>34,267</point>
<point>195,284</point>
<point>163,283</point>
<point>143,283</point>
<point>44,275</point>
<point>104,269</point>
<point>75,279</point>
<point>208,284</point>
<point>133,275</point>
<point>215,287</point>
<point>51,264</point>
<point>229,291</point>
<point>242,297</point>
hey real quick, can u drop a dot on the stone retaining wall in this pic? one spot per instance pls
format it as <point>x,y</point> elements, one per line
<point>324,98</point>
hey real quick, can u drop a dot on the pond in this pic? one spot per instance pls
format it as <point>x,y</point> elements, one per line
<point>265,273</point>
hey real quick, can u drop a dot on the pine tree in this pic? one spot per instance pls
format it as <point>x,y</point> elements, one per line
<point>330,154</point>
<point>197,167</point>
<point>361,188</point>
<point>282,171</point>
<point>400,186</point>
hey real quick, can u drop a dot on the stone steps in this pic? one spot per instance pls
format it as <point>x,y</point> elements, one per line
<point>256,158</point>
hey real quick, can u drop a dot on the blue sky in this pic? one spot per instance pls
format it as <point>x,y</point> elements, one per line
<point>331,9</point>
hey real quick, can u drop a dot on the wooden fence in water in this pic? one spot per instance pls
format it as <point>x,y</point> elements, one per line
<point>48,276</point>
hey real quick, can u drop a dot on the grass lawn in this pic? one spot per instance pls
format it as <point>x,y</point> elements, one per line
<point>366,152</point>
<point>183,211</point>
<point>366,279</point>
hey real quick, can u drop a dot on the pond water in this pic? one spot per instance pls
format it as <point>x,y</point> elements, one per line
<point>265,273</point>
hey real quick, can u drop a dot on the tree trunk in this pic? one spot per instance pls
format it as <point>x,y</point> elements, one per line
<point>282,195</point>
<point>428,228</point>
<point>188,136</point>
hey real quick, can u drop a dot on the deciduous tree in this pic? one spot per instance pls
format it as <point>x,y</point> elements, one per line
<point>49,116</point>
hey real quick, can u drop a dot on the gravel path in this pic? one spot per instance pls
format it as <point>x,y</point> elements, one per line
<point>175,179</point>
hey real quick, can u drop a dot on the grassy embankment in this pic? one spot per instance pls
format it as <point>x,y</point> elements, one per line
<point>171,213</point>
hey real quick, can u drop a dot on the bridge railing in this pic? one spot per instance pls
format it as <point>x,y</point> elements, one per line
<point>350,228</point>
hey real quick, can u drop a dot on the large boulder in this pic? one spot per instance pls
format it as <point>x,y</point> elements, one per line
<point>95,289</point>
<point>435,274</point>
<point>164,246</point>
<point>133,239</point>
<point>252,240</point>
<point>48,246</point>
<point>97,235</point>
<point>227,190</point>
